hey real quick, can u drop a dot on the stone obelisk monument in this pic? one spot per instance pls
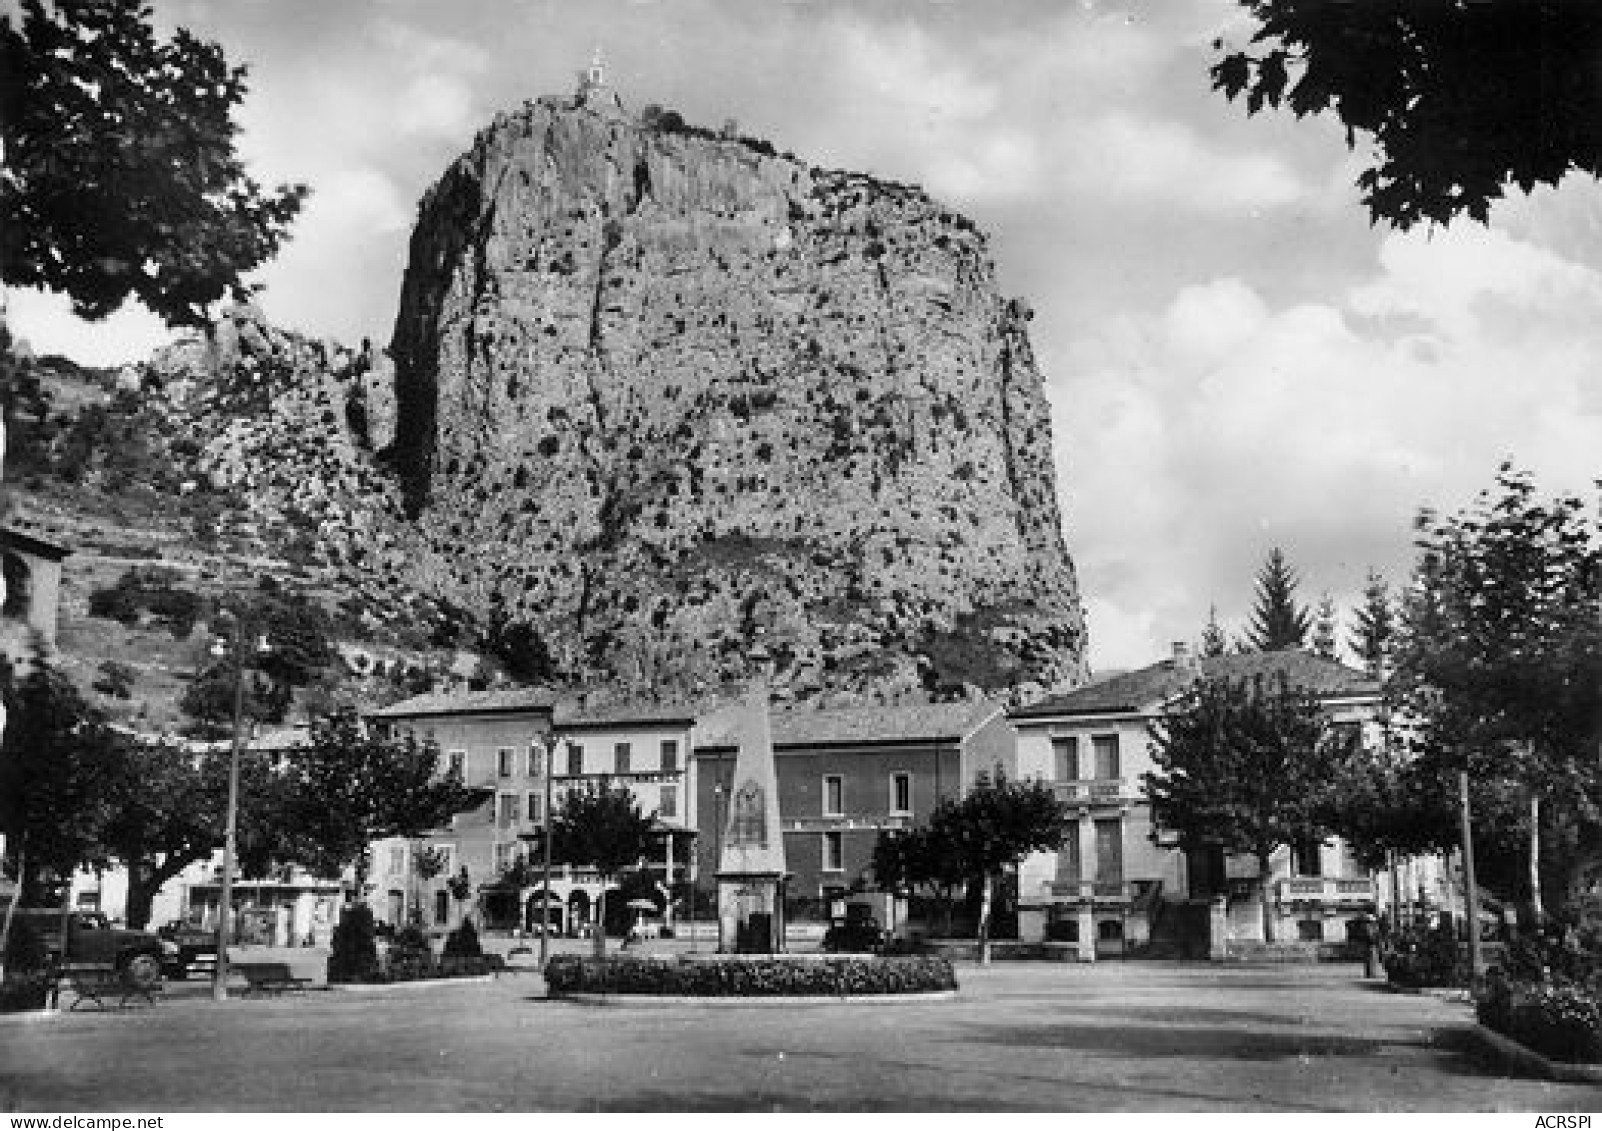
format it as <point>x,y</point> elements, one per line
<point>751,868</point>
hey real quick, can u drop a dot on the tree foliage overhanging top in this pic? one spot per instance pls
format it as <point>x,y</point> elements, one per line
<point>120,177</point>
<point>1459,99</point>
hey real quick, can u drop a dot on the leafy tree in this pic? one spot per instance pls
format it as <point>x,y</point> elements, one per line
<point>1213,642</point>
<point>1498,665</point>
<point>460,886</point>
<point>1374,630</point>
<point>61,768</point>
<point>293,650</point>
<point>168,810</point>
<point>1325,628</point>
<point>349,786</point>
<point>1245,767</point>
<point>1456,101</point>
<point>121,174</point>
<point>520,647</point>
<point>74,793</point>
<point>994,826</point>
<point>1277,622</point>
<point>600,827</point>
<point>920,857</point>
<point>428,863</point>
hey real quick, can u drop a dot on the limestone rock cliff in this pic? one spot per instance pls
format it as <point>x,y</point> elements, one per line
<point>662,393</point>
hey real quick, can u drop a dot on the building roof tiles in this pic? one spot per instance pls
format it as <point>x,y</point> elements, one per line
<point>1149,687</point>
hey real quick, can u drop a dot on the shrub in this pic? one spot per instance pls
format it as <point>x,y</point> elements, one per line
<point>1563,1022</point>
<point>463,942</point>
<point>1425,958</point>
<point>149,589</point>
<point>115,679</point>
<point>409,956</point>
<point>760,977</point>
<point>355,952</point>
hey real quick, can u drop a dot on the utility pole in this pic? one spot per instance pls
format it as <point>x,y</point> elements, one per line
<point>1535,860</point>
<point>219,983</point>
<point>1471,896</point>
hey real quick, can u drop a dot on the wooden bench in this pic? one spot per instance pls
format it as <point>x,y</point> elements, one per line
<point>95,981</point>
<point>267,977</point>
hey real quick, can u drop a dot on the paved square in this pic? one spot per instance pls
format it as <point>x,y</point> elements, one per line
<point>1115,1036</point>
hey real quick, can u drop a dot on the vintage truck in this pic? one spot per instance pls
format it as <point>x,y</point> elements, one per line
<point>138,955</point>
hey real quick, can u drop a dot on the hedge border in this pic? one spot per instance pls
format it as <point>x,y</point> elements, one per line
<point>742,977</point>
<point>768,1001</point>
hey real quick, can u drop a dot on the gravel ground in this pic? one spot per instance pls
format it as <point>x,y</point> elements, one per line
<point>1020,1036</point>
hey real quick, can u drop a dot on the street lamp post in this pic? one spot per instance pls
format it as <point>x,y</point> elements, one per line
<point>545,895</point>
<point>717,851</point>
<point>1471,895</point>
<point>219,984</point>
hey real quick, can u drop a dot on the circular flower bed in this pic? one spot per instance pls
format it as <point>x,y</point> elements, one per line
<point>747,976</point>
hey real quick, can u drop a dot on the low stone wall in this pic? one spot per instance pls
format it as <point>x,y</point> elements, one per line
<point>1251,950</point>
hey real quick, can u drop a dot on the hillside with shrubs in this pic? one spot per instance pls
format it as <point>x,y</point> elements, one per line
<point>236,470</point>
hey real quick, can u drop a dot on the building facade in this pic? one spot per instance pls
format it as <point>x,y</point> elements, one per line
<point>647,752</point>
<point>522,753</point>
<point>497,741</point>
<point>845,776</point>
<point>1112,887</point>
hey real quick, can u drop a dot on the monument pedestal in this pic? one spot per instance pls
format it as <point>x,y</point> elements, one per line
<point>750,913</point>
<point>751,869</point>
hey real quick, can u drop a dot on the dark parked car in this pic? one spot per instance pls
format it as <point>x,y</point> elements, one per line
<point>140,955</point>
<point>196,951</point>
<point>857,933</point>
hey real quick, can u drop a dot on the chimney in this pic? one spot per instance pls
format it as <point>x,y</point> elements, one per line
<point>1185,661</point>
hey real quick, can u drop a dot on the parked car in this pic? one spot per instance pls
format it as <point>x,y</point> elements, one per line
<point>857,933</point>
<point>196,949</point>
<point>139,955</point>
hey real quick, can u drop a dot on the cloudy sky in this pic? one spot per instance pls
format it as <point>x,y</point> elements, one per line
<point>1234,357</point>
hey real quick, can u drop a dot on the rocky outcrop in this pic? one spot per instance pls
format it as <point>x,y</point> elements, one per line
<point>661,394</point>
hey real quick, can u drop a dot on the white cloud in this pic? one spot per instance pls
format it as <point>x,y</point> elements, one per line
<point>353,215</point>
<point>1318,427</point>
<point>439,106</point>
<point>46,323</point>
<point>1208,320</point>
<point>1120,154</point>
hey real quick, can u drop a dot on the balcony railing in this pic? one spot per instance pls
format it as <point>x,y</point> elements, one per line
<point>1097,891</point>
<point>847,821</point>
<point>1102,791</point>
<point>1326,889</point>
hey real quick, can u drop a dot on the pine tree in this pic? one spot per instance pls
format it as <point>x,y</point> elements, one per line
<point>1325,627</point>
<point>1212,641</point>
<point>1375,627</point>
<point>1278,622</point>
